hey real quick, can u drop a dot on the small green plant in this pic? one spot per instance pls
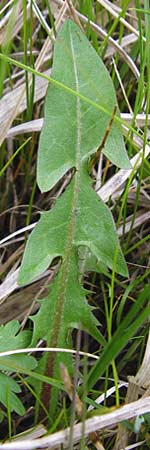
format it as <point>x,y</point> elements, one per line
<point>77,120</point>
<point>73,131</point>
<point>12,339</point>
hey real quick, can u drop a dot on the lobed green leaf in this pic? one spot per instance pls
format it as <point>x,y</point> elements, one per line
<point>73,131</point>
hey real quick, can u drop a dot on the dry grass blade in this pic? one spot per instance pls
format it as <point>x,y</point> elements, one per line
<point>140,380</point>
<point>100,32</point>
<point>140,219</point>
<point>36,125</point>
<point>27,127</point>
<point>142,376</point>
<point>10,283</point>
<point>126,42</point>
<point>115,11</point>
<point>18,22</point>
<point>17,305</point>
<point>97,423</point>
<point>14,103</point>
<point>19,102</point>
<point>114,186</point>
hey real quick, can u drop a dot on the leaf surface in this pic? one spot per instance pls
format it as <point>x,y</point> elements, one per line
<point>73,130</point>
<point>12,339</point>
<point>8,391</point>
<point>77,65</point>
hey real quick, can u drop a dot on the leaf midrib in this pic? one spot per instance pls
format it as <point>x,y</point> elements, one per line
<point>71,230</point>
<point>65,267</point>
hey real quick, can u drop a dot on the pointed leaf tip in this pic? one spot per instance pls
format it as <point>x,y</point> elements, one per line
<point>77,66</point>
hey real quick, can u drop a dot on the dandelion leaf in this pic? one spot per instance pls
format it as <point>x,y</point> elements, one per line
<point>73,131</point>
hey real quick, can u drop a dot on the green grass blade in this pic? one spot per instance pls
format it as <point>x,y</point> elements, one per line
<point>125,331</point>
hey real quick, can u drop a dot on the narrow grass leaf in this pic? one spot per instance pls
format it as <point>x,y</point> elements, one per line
<point>121,337</point>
